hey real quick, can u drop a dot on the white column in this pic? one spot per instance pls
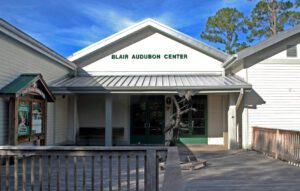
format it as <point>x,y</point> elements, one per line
<point>232,123</point>
<point>108,120</point>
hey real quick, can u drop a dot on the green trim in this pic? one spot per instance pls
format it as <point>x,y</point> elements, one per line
<point>193,140</point>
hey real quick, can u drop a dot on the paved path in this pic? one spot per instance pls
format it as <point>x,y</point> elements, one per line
<point>239,171</point>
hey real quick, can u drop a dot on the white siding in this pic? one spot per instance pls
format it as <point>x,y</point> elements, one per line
<point>50,124</point>
<point>16,58</point>
<point>279,86</point>
<point>154,44</point>
<point>215,119</point>
<point>61,120</point>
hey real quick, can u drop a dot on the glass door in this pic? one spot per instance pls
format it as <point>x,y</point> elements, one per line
<point>147,119</point>
<point>196,132</point>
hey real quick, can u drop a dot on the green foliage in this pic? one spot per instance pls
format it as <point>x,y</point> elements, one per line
<point>224,28</point>
<point>271,16</point>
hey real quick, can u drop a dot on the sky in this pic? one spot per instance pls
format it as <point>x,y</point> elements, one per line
<point>67,26</point>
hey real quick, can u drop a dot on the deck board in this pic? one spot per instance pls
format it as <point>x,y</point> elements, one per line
<point>239,170</point>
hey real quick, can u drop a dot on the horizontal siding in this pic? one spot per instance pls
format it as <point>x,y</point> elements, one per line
<point>279,86</point>
<point>61,120</point>
<point>50,124</point>
<point>16,58</point>
<point>3,121</point>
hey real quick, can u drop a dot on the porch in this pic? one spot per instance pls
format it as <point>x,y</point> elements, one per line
<point>135,108</point>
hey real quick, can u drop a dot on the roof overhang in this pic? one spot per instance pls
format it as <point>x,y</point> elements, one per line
<point>18,35</point>
<point>148,26</point>
<point>152,84</point>
<point>263,50</point>
<point>28,84</point>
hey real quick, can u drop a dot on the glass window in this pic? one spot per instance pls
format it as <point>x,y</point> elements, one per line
<point>37,116</point>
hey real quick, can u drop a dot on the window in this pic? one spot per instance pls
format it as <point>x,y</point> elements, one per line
<point>291,51</point>
<point>30,119</point>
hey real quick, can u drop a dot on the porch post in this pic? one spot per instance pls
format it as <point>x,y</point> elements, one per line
<point>232,123</point>
<point>108,120</point>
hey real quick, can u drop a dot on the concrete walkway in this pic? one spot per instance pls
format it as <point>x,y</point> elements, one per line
<point>238,171</point>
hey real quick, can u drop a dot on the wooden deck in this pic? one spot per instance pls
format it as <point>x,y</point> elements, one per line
<point>239,170</point>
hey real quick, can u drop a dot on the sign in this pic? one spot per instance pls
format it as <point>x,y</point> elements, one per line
<point>36,118</point>
<point>23,119</point>
<point>149,56</point>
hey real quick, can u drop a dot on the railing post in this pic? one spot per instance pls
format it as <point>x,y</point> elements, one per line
<point>151,163</point>
<point>277,142</point>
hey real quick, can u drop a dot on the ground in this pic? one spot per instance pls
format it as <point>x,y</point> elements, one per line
<point>238,170</point>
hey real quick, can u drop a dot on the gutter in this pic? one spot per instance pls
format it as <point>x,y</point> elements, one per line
<point>229,62</point>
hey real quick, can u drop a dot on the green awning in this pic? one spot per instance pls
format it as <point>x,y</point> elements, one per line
<point>23,84</point>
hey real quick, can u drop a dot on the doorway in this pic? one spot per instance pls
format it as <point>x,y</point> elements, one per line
<point>147,119</point>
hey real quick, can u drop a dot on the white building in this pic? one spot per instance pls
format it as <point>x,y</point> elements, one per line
<point>117,91</point>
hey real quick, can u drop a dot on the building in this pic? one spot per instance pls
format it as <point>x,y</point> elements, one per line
<point>117,91</point>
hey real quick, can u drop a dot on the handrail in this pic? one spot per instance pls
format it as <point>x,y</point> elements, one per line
<point>173,177</point>
<point>42,164</point>
<point>280,143</point>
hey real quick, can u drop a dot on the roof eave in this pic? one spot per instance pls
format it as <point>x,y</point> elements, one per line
<point>25,39</point>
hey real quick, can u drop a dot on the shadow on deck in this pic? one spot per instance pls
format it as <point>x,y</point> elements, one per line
<point>238,170</point>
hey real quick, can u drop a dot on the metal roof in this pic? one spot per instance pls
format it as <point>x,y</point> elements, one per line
<point>150,82</point>
<point>24,81</point>
<point>265,46</point>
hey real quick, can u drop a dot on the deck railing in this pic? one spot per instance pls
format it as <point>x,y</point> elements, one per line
<point>80,168</point>
<point>282,144</point>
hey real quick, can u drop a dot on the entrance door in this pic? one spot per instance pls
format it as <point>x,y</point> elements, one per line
<point>197,122</point>
<point>147,119</point>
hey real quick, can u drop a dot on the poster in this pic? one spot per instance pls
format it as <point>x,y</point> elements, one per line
<point>23,118</point>
<point>36,118</point>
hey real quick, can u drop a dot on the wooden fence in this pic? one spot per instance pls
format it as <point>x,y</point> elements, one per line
<point>282,144</point>
<point>80,168</point>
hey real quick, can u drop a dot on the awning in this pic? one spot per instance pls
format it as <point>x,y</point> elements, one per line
<point>28,84</point>
<point>109,83</point>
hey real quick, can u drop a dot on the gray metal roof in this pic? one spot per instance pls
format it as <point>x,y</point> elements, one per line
<point>279,40</point>
<point>150,82</point>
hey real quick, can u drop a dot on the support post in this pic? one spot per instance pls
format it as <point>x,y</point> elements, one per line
<point>108,120</point>
<point>232,123</point>
<point>151,174</point>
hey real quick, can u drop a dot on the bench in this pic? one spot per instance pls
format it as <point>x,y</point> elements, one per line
<point>96,135</point>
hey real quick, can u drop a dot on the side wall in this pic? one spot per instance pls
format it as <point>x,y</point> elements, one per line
<point>15,59</point>
<point>274,101</point>
<point>216,118</point>
<point>91,113</point>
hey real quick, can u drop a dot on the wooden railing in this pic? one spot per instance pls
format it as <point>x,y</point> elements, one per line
<point>282,144</point>
<point>80,168</point>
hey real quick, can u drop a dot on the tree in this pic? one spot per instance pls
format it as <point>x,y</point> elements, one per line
<point>182,106</point>
<point>270,17</point>
<point>224,28</point>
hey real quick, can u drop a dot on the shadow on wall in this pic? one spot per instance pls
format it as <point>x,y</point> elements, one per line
<point>252,99</point>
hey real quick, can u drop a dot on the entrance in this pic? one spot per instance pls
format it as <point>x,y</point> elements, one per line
<point>196,121</point>
<point>147,119</point>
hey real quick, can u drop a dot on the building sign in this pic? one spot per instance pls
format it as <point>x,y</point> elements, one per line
<point>23,118</point>
<point>149,56</point>
<point>36,118</point>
